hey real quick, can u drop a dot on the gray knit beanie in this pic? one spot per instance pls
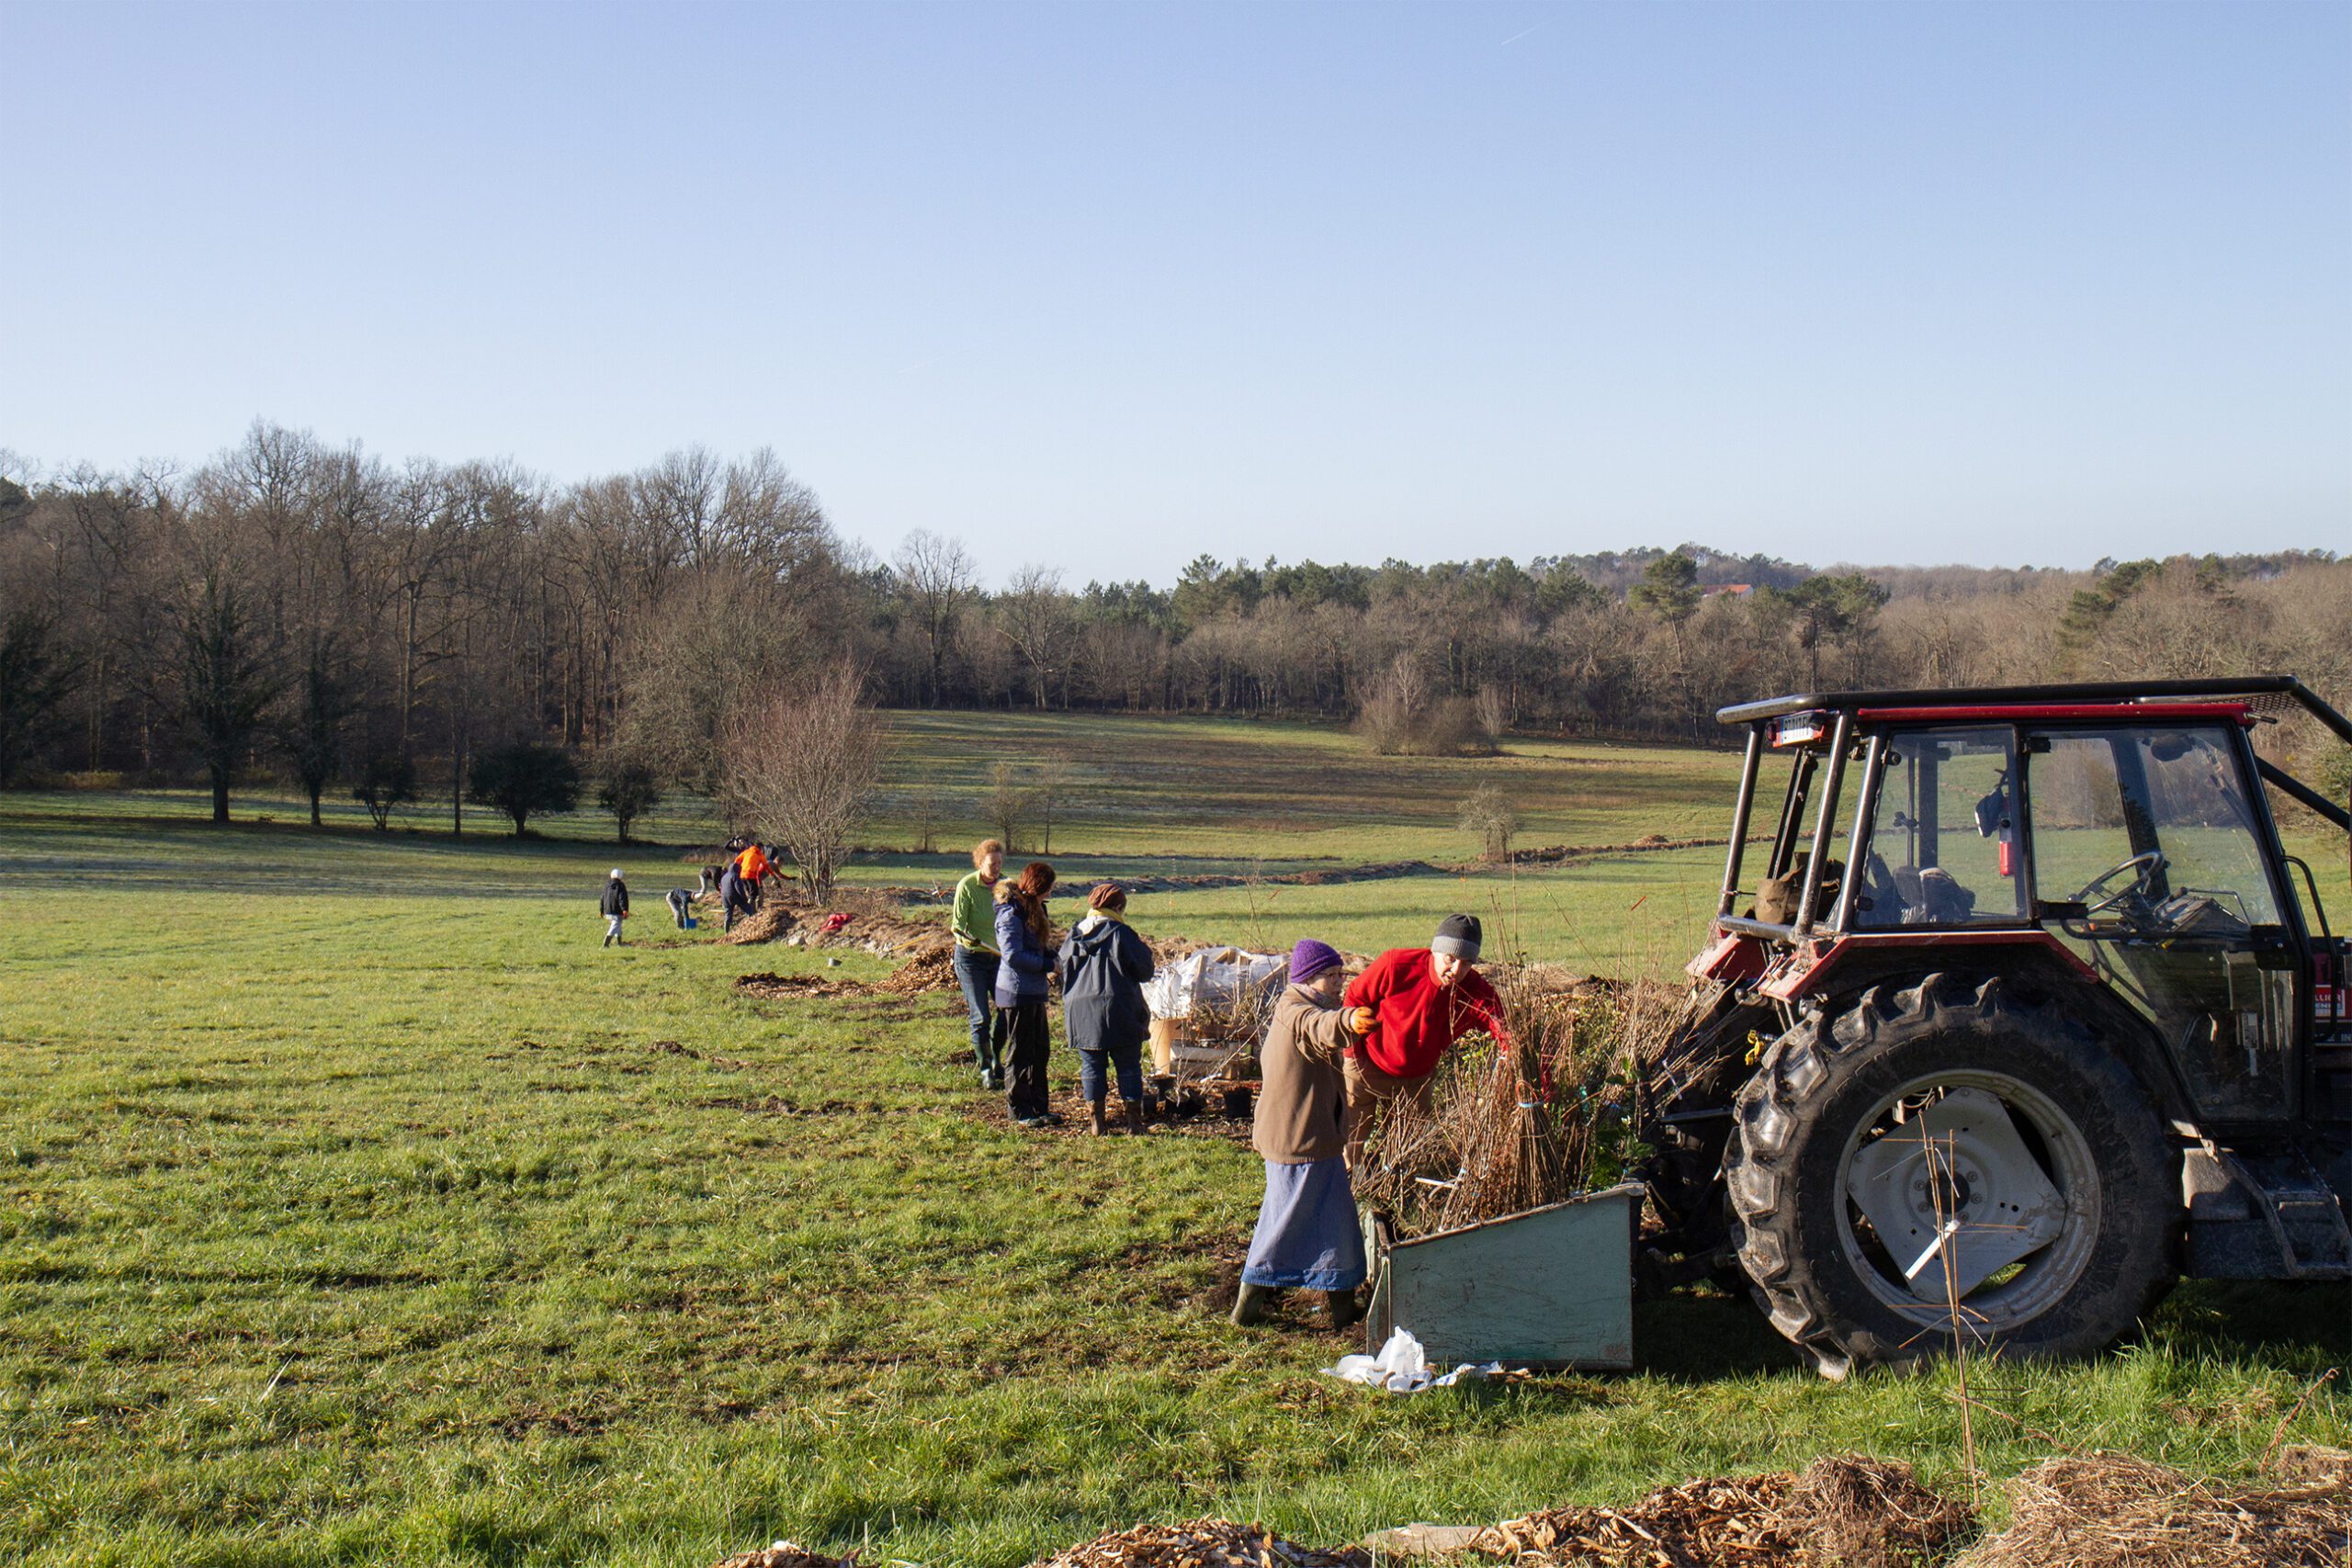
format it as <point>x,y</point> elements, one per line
<point>1458,934</point>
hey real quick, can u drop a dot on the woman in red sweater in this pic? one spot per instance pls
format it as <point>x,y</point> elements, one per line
<point>1410,1005</point>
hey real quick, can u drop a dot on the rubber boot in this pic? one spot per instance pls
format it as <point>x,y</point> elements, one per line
<point>1100,1126</point>
<point>1135,1117</point>
<point>1249,1305</point>
<point>1345,1313</point>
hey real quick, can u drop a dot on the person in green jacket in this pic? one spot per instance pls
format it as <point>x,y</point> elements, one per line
<point>974,923</point>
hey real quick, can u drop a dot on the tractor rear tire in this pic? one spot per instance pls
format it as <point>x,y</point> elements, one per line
<point>1831,1085</point>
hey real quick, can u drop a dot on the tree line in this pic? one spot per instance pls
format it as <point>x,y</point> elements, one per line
<point>432,631</point>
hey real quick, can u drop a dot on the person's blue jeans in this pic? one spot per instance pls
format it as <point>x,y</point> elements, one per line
<point>976,973</point>
<point>1093,1072</point>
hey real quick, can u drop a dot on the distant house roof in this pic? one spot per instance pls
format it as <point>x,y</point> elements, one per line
<point>1738,590</point>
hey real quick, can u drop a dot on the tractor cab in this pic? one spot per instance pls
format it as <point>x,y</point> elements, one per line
<point>2017,1010</point>
<point>2120,833</point>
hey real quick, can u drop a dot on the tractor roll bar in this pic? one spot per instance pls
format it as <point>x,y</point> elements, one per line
<point>1824,820</point>
<point>2294,786</point>
<point>2080,691</point>
<point>1739,820</point>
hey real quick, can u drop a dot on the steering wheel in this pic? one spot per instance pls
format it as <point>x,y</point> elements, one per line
<point>2148,865</point>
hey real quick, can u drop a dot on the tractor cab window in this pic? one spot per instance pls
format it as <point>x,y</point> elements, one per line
<point>2150,831</point>
<point>1943,839</point>
<point>2148,857</point>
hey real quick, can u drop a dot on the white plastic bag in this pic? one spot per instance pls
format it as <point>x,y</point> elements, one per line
<point>1403,1368</point>
<point>1214,977</point>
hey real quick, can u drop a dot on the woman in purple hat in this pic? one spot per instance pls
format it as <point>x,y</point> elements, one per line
<point>1307,1234</point>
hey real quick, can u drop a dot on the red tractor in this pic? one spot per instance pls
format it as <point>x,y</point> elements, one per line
<point>2028,1014</point>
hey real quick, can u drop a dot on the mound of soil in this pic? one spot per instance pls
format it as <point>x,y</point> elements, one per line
<point>778,988</point>
<point>883,934</point>
<point>1843,1510</point>
<point>2110,1511</point>
<point>1202,1543</point>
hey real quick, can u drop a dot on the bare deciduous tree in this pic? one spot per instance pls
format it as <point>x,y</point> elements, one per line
<point>1034,617</point>
<point>1396,707</point>
<point>800,770</point>
<point>1492,706</point>
<point>1005,807</point>
<point>936,578</point>
<point>1049,788</point>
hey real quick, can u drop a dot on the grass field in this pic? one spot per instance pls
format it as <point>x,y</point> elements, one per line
<point>356,1212</point>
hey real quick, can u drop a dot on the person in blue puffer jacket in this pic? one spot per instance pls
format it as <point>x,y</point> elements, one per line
<point>1105,1016</point>
<point>1023,941</point>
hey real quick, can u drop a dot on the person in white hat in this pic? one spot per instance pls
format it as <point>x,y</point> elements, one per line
<point>614,906</point>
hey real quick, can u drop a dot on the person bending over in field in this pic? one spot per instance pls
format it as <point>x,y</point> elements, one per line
<point>1026,951</point>
<point>1306,1235</point>
<point>613,906</point>
<point>1103,965</point>
<point>1410,1005</point>
<point>974,922</point>
<point>734,898</point>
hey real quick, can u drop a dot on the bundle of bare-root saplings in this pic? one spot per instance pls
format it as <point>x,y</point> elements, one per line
<point>1509,1131</point>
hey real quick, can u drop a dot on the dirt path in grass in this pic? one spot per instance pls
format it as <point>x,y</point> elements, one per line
<point>1379,871</point>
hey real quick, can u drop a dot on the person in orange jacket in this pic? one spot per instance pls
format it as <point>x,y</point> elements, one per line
<point>752,868</point>
<point>1410,1005</point>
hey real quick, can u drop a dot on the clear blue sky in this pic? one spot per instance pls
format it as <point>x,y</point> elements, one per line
<point>1108,285</point>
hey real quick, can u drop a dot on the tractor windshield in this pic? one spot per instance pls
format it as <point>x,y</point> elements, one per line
<point>2149,829</point>
<point>1944,840</point>
<point>2146,840</point>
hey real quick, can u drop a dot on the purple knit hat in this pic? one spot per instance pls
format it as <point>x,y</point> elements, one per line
<point>1310,958</point>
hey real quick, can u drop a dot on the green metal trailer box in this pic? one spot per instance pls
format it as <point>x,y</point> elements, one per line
<point>1551,1287</point>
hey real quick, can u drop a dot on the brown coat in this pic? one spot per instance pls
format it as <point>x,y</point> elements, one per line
<point>1302,1106</point>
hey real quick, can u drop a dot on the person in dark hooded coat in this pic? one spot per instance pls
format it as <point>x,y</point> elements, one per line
<point>1104,965</point>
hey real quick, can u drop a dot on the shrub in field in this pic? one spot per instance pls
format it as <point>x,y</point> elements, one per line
<point>1450,728</point>
<point>1393,713</point>
<point>1404,718</point>
<point>627,785</point>
<point>524,780</point>
<point>800,770</point>
<point>385,779</point>
<point>1489,816</point>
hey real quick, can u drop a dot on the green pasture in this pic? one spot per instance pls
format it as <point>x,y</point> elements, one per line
<point>1286,794</point>
<point>360,1209</point>
<point>1147,792</point>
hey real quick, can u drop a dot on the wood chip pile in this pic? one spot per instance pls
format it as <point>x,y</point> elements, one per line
<point>1854,1512</point>
<point>787,1554</point>
<point>1202,1543</point>
<point>923,973</point>
<point>765,923</point>
<point>2083,1511</point>
<point>2110,1511</point>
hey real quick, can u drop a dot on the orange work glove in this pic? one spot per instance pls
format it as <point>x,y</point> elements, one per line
<point>1360,1020</point>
